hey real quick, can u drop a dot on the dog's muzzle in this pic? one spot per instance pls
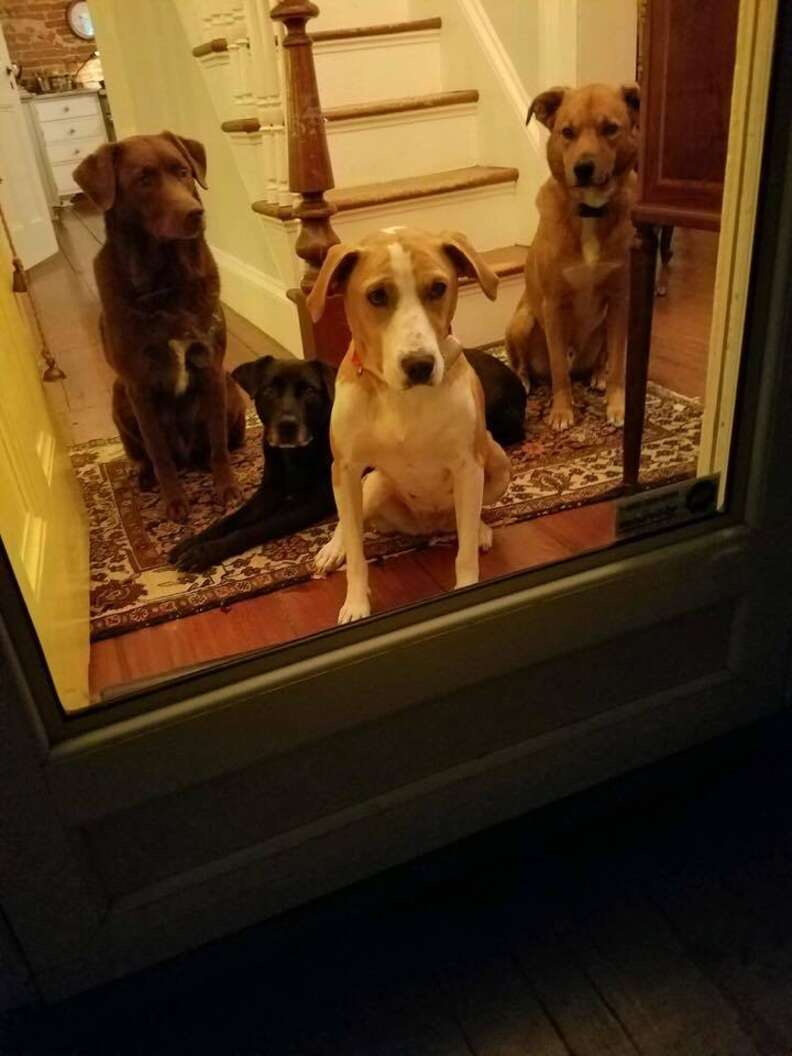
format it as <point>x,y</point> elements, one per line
<point>418,369</point>
<point>289,431</point>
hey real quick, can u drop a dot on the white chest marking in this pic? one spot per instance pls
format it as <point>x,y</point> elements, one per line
<point>182,379</point>
<point>589,242</point>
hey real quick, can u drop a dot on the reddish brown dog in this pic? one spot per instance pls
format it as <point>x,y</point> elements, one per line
<point>572,319</point>
<point>162,324</point>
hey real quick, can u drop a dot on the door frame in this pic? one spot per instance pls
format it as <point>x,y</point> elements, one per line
<point>62,776</point>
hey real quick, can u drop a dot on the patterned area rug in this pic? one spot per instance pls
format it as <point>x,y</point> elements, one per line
<point>133,587</point>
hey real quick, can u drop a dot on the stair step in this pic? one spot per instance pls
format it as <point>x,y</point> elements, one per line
<point>408,189</point>
<point>405,105</point>
<point>504,261</point>
<point>386,29</point>
<point>216,45</point>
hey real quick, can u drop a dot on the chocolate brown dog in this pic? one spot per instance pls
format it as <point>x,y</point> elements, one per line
<point>162,324</point>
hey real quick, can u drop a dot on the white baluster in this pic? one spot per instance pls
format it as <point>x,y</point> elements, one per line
<point>285,196</point>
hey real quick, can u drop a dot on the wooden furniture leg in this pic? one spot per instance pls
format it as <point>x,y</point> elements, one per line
<point>666,253</point>
<point>643,260</point>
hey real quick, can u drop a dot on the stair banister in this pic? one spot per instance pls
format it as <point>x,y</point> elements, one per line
<point>310,171</point>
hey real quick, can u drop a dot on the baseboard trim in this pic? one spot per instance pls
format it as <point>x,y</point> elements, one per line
<point>260,299</point>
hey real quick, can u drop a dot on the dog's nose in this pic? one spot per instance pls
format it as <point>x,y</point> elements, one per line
<point>418,368</point>
<point>194,219</point>
<point>584,172</point>
<point>287,429</point>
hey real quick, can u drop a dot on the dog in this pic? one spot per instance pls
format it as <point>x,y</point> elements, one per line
<point>162,324</point>
<point>572,318</point>
<point>293,400</point>
<point>408,404</point>
<point>505,397</point>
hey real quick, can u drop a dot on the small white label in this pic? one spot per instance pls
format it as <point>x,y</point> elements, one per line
<point>689,500</point>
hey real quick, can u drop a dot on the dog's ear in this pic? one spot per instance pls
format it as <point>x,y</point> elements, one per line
<point>631,94</point>
<point>194,154</point>
<point>545,106</point>
<point>328,376</point>
<point>468,261</point>
<point>250,375</point>
<point>335,270</point>
<point>95,175</point>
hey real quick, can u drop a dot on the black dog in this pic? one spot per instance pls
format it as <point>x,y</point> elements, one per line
<point>293,400</point>
<point>504,397</point>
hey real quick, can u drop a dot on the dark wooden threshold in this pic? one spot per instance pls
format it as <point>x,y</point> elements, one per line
<point>216,45</point>
<point>405,105</point>
<point>409,188</point>
<point>384,30</point>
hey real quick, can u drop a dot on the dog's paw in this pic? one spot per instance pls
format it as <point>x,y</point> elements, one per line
<point>176,551</point>
<point>176,509</point>
<point>354,609</point>
<point>599,380</point>
<point>330,557</point>
<point>198,557</point>
<point>485,537</point>
<point>561,417</point>
<point>228,494</point>
<point>466,577</point>
<point>615,407</point>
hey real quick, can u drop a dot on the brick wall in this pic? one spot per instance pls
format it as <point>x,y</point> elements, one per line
<point>38,37</point>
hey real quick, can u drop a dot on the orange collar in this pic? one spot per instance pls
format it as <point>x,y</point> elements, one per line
<point>356,361</point>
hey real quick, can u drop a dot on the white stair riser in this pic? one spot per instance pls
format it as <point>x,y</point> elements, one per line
<point>248,155</point>
<point>375,68</point>
<point>414,143</point>
<point>341,14</point>
<point>485,215</point>
<point>479,321</point>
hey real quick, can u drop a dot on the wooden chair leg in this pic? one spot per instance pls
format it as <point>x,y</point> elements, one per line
<point>643,260</point>
<point>666,253</point>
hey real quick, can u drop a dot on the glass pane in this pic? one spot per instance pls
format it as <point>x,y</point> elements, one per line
<point>196,415</point>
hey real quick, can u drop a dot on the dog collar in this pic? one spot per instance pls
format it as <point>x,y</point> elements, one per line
<point>356,361</point>
<point>591,212</point>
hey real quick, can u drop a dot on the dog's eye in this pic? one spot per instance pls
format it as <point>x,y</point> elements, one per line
<point>145,179</point>
<point>610,128</point>
<point>378,296</point>
<point>182,171</point>
<point>436,290</point>
<point>568,132</point>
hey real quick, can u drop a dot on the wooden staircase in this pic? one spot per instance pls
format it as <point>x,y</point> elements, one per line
<point>385,116</point>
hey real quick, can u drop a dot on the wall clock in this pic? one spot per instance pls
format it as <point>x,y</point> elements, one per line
<point>78,19</point>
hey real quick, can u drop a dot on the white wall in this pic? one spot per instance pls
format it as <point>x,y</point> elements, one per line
<point>567,41</point>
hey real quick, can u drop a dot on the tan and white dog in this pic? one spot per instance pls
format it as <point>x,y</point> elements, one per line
<point>408,404</point>
<point>572,319</point>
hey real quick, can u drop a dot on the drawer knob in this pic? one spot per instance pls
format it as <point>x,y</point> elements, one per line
<point>76,150</point>
<point>72,131</point>
<point>66,109</point>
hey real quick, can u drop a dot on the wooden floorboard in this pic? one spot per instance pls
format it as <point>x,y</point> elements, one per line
<point>660,926</point>
<point>65,294</point>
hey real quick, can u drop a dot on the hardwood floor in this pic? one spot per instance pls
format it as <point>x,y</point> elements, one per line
<point>648,917</point>
<point>65,295</point>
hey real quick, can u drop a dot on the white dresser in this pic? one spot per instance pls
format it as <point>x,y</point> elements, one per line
<point>69,126</point>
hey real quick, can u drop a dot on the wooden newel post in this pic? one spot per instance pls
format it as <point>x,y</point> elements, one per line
<point>310,170</point>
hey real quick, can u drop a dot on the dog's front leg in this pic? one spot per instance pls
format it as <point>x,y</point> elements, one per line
<point>159,452</point>
<point>616,340</point>
<point>561,416</point>
<point>348,491</point>
<point>468,496</point>
<point>226,487</point>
